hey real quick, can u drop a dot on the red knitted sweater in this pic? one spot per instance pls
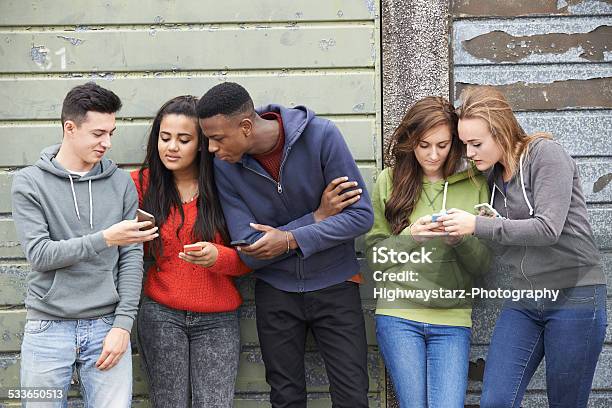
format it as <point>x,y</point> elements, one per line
<point>183,285</point>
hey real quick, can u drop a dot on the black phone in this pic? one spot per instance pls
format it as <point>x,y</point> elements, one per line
<point>240,242</point>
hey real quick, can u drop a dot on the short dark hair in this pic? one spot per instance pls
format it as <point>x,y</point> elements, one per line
<point>227,98</point>
<point>88,97</point>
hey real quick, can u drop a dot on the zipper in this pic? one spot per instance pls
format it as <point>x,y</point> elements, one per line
<point>524,248</point>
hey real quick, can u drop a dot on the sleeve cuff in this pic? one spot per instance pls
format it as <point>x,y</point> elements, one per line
<point>98,242</point>
<point>485,226</point>
<point>123,322</point>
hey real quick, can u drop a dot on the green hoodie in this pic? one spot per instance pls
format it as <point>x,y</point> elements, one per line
<point>450,267</point>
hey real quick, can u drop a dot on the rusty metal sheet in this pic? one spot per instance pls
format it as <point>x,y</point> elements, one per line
<point>67,12</point>
<point>582,133</point>
<point>516,8</point>
<point>544,87</point>
<point>542,40</point>
<point>142,95</point>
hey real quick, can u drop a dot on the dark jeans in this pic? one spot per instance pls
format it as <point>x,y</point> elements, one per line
<point>569,332</point>
<point>335,317</point>
<point>189,354</point>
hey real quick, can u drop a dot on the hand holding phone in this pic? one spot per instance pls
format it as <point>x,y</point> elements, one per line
<point>240,243</point>
<point>486,210</point>
<point>145,216</point>
<point>192,248</point>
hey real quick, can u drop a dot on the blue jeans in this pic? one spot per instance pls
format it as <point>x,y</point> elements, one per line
<point>51,349</point>
<point>428,363</point>
<point>569,332</point>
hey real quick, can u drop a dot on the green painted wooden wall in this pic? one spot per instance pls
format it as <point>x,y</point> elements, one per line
<point>320,53</point>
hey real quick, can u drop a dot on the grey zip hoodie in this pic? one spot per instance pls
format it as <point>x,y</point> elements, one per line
<point>59,219</point>
<point>545,230</point>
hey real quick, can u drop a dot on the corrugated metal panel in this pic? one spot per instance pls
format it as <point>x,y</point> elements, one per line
<point>322,54</point>
<point>516,8</point>
<point>542,40</point>
<point>557,75</point>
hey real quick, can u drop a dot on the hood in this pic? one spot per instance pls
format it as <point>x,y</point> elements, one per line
<point>294,119</point>
<point>103,169</point>
<point>463,171</point>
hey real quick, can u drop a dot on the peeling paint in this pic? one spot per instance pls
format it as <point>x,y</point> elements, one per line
<point>159,20</point>
<point>527,7</point>
<point>72,40</point>
<point>340,13</point>
<point>325,44</point>
<point>499,46</point>
<point>602,182</point>
<point>38,54</point>
<point>590,93</point>
<point>359,107</point>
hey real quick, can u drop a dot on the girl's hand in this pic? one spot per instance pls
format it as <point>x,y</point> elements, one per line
<point>206,257</point>
<point>423,229</point>
<point>458,222</point>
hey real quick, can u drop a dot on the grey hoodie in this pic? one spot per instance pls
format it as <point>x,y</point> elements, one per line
<point>59,219</point>
<point>546,231</point>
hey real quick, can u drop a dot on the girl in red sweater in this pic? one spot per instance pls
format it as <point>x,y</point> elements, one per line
<point>188,326</point>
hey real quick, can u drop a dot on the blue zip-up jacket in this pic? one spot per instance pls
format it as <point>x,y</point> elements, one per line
<point>314,154</point>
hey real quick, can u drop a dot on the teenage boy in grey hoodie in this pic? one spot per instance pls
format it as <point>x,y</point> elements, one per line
<point>74,213</point>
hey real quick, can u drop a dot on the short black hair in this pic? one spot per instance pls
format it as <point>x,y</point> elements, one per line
<point>227,98</point>
<point>88,97</point>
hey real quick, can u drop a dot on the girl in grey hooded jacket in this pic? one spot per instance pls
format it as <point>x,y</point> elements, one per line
<point>543,227</point>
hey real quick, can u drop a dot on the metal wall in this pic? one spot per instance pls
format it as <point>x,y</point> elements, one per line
<point>320,53</point>
<point>553,61</point>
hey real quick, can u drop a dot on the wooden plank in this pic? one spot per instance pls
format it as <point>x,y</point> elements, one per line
<point>354,91</point>
<point>210,49</point>
<point>65,12</point>
<point>540,41</point>
<point>129,140</point>
<point>518,8</point>
<point>251,375</point>
<point>367,172</point>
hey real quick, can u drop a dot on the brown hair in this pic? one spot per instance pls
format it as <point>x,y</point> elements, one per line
<point>490,105</point>
<point>407,183</point>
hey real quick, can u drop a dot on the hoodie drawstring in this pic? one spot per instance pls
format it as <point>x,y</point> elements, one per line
<point>523,185</point>
<point>90,207</point>
<point>444,196</point>
<point>76,207</point>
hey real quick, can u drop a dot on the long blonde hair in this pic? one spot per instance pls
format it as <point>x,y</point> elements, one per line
<point>489,104</point>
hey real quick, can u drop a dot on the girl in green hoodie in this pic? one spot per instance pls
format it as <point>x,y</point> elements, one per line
<point>423,314</point>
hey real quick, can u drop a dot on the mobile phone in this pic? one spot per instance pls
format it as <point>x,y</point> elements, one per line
<point>145,216</point>
<point>435,216</point>
<point>486,210</point>
<point>192,247</point>
<point>240,242</point>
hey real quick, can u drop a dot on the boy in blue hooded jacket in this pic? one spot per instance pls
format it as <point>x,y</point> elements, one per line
<point>279,172</point>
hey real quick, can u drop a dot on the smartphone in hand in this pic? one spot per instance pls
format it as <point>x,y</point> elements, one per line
<point>145,216</point>
<point>240,242</point>
<point>486,210</point>
<point>192,248</point>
